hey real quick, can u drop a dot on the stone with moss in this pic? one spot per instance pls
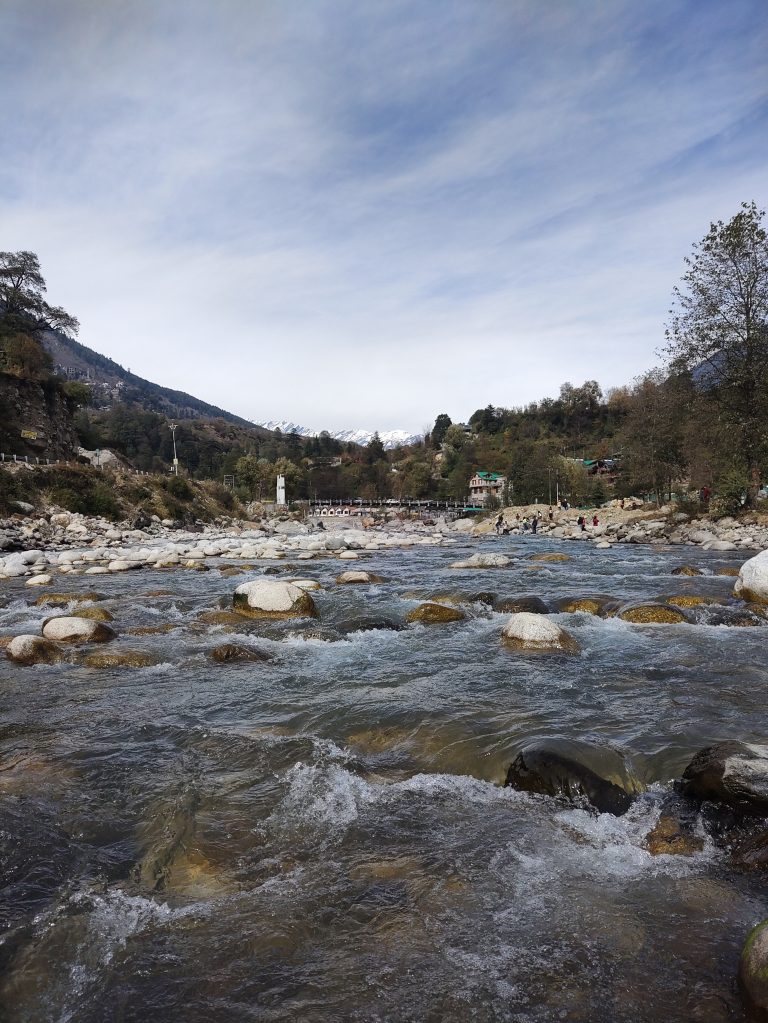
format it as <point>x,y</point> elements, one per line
<point>435,614</point>
<point>668,838</point>
<point>62,599</point>
<point>687,570</point>
<point>95,614</point>
<point>652,614</point>
<point>228,652</point>
<point>753,967</point>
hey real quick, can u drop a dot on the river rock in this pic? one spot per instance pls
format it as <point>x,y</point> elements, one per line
<point>358,577</point>
<point>435,614</point>
<point>43,579</point>
<point>33,650</point>
<point>369,623</point>
<point>590,605</point>
<point>668,838</point>
<point>117,659</point>
<point>648,614</point>
<point>272,599</point>
<point>483,561</point>
<point>751,853</point>
<point>551,556</point>
<point>731,773</point>
<point>752,583</point>
<point>753,966</point>
<point>513,605</point>
<point>549,770</point>
<point>69,629</point>
<point>62,599</point>
<point>95,614</point>
<point>528,631</point>
<point>228,652</point>
<point>686,570</point>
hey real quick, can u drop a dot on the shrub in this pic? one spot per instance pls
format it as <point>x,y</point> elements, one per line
<point>179,488</point>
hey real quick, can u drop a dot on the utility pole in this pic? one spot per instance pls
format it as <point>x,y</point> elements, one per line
<point>173,428</point>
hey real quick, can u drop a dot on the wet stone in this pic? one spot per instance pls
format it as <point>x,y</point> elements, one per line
<point>512,605</point>
<point>435,614</point>
<point>667,837</point>
<point>229,652</point>
<point>652,614</point>
<point>690,570</point>
<point>118,659</point>
<point>734,774</point>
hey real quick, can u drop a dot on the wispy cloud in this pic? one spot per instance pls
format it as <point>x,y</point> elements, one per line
<point>367,214</point>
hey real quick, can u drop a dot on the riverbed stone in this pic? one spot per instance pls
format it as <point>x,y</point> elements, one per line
<point>686,570</point>
<point>95,614</point>
<point>43,579</point>
<point>752,583</point>
<point>435,614</point>
<point>69,629</point>
<point>589,605</point>
<point>551,556</point>
<point>62,599</point>
<point>354,576</point>
<point>483,561</point>
<point>734,774</point>
<point>264,598</point>
<point>549,770</point>
<point>753,966</point>
<point>29,650</point>
<point>528,631</point>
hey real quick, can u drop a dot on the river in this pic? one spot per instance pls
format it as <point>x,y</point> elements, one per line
<point>325,836</point>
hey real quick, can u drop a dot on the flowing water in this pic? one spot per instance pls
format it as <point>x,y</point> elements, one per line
<point>326,835</point>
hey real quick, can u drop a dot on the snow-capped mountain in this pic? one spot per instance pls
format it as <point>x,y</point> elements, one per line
<point>389,438</point>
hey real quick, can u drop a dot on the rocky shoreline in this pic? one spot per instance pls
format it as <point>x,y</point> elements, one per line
<point>71,542</point>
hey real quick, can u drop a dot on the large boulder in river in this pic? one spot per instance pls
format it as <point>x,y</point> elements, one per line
<point>574,771</point>
<point>528,631</point>
<point>734,774</point>
<point>265,598</point>
<point>753,967</point>
<point>483,561</point>
<point>33,650</point>
<point>752,583</point>
<point>67,629</point>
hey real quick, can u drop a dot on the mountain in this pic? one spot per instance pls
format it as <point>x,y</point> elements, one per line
<point>111,383</point>
<point>389,438</point>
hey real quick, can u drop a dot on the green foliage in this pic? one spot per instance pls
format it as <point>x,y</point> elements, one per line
<point>442,423</point>
<point>178,487</point>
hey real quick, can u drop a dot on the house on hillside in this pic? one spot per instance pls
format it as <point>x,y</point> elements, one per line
<point>485,485</point>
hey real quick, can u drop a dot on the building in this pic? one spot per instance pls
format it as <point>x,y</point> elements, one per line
<point>485,485</point>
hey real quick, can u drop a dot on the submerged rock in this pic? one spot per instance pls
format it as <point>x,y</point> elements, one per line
<point>118,659</point>
<point>751,853</point>
<point>752,583</point>
<point>546,769</point>
<point>266,599</point>
<point>435,614</point>
<point>650,614</point>
<point>686,570</point>
<point>69,629</point>
<point>229,652</point>
<point>62,599</point>
<point>513,605</point>
<point>370,623</point>
<point>28,650</point>
<point>753,966</point>
<point>667,838</point>
<point>527,631</point>
<point>734,774</point>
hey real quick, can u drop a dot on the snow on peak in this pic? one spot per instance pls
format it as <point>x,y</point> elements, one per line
<point>389,438</point>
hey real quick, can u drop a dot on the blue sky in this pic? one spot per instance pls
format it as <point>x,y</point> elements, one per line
<point>363,214</point>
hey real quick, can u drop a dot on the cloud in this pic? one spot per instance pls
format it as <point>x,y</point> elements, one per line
<point>355,214</point>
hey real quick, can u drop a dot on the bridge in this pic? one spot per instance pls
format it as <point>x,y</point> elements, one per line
<point>346,505</point>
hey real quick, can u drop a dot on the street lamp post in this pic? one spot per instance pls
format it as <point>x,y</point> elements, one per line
<point>173,428</point>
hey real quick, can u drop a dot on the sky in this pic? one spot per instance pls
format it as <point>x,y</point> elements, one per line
<point>352,214</point>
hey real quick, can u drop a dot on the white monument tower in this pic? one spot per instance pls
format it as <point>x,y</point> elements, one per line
<point>281,490</point>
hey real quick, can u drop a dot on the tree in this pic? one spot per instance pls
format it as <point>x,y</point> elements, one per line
<point>442,423</point>
<point>718,331</point>
<point>22,287</point>
<point>375,450</point>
